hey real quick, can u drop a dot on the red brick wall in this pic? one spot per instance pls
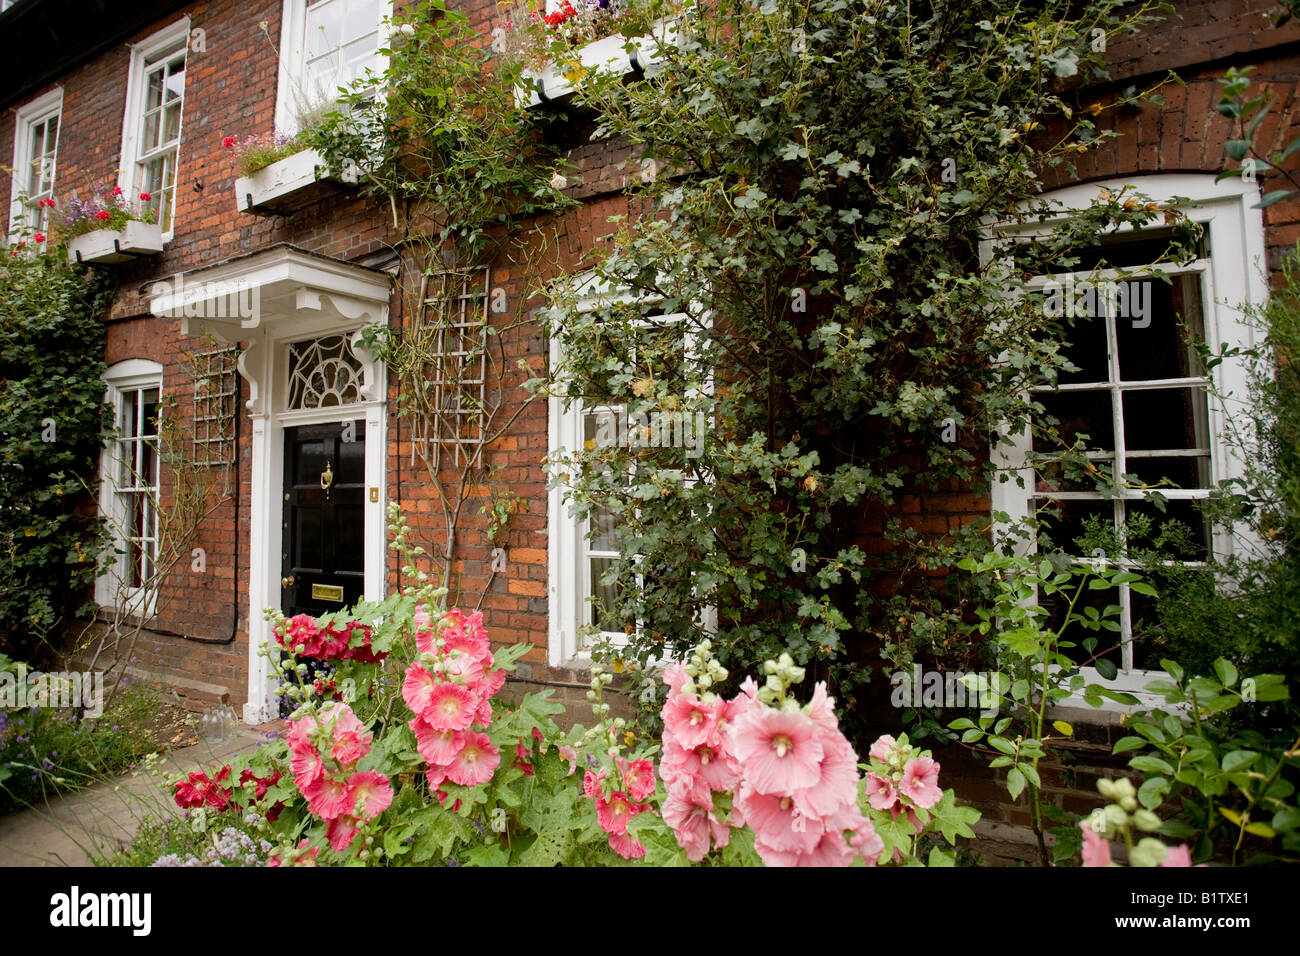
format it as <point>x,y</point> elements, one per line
<point>231,90</point>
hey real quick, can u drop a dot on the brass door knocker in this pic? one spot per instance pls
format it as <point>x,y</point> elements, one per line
<point>326,479</point>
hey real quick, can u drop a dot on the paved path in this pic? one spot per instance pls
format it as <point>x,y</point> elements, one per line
<point>70,830</point>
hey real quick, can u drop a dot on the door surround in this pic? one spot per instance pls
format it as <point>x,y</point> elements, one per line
<point>294,296</point>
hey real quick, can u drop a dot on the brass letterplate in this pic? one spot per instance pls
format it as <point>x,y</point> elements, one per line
<point>327,592</point>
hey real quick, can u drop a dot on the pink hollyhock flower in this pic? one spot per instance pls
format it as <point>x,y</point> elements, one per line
<point>638,777</point>
<point>418,687</point>
<point>691,721</point>
<point>920,782</point>
<point>436,776</point>
<point>779,751</point>
<point>689,819</point>
<point>837,785</point>
<point>592,784</point>
<point>437,747</point>
<point>899,809</point>
<point>342,831</point>
<point>476,761</point>
<point>306,766</point>
<point>1096,848</point>
<point>880,792</point>
<point>867,842</point>
<point>626,846</point>
<point>463,668</point>
<point>522,755</point>
<point>329,797</point>
<point>716,767</point>
<point>492,681</point>
<point>1179,855</point>
<point>882,748</point>
<point>675,677</point>
<point>776,823</point>
<point>613,814</point>
<point>821,709</point>
<point>451,707</point>
<point>372,793</point>
<point>568,753</point>
<point>350,746</point>
<point>301,636</point>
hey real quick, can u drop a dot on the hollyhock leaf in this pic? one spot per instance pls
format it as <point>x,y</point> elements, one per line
<point>951,820</point>
<point>940,858</point>
<point>440,831</point>
<point>661,847</point>
<point>551,816</point>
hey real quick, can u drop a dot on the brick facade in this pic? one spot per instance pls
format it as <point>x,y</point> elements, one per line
<point>203,631</point>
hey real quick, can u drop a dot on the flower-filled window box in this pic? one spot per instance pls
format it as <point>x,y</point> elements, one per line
<point>280,177</point>
<point>109,246</point>
<point>561,45</point>
<point>108,230</point>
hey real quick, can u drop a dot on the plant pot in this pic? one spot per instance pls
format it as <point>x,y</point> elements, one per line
<point>107,246</point>
<point>288,185</point>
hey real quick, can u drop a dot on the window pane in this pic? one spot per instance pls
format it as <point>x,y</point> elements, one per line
<point>1064,522</point>
<point>1078,414</point>
<point>1156,326</point>
<point>1086,348</point>
<point>1186,531</point>
<point>1165,418</point>
<point>602,611</point>
<point>153,93</point>
<point>324,27</point>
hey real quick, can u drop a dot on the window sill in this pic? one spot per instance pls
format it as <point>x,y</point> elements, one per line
<point>111,246</point>
<point>290,184</point>
<point>617,53</point>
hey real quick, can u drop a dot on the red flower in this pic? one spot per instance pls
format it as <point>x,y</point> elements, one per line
<point>104,214</point>
<point>45,202</point>
<point>198,790</point>
<point>145,197</point>
<point>117,190</point>
<point>229,142</point>
<point>39,237</point>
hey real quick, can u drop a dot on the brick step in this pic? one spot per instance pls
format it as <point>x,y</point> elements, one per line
<point>195,695</point>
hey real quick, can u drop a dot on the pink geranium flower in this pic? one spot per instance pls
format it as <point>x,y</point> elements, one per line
<point>779,751</point>
<point>920,782</point>
<point>475,762</point>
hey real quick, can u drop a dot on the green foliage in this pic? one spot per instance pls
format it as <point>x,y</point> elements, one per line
<point>811,285</point>
<point>1232,790</point>
<point>1039,666</point>
<point>48,750</point>
<point>445,145</point>
<point>52,423</point>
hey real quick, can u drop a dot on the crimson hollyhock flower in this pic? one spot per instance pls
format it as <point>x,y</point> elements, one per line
<point>39,237</point>
<point>145,197</point>
<point>229,142</point>
<point>103,215</point>
<point>117,190</point>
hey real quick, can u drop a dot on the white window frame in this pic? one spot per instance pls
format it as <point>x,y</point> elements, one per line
<point>1233,275</point>
<point>122,379</point>
<point>568,549</point>
<point>34,113</point>
<point>290,89</point>
<point>162,43</point>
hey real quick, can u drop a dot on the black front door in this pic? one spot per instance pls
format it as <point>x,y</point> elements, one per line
<point>323,558</point>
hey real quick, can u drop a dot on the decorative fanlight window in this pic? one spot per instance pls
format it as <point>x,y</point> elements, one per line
<point>324,373</point>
